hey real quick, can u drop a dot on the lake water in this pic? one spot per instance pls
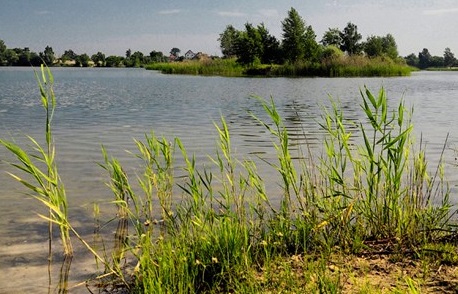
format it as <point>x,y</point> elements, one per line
<point>114,106</point>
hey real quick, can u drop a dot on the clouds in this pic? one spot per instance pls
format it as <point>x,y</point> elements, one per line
<point>440,11</point>
<point>169,11</point>
<point>231,14</point>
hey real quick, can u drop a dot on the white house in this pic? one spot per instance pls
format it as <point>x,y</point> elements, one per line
<point>189,55</point>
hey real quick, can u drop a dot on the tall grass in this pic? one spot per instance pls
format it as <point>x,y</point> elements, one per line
<point>220,67</point>
<point>44,181</point>
<point>225,230</point>
<point>343,66</point>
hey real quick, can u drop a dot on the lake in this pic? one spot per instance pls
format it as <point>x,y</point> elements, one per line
<point>114,106</point>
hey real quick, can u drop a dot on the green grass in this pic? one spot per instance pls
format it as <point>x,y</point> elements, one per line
<point>215,230</point>
<point>343,66</point>
<point>218,67</point>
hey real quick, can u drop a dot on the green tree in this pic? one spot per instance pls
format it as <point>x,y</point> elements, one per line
<point>412,60</point>
<point>157,56</point>
<point>390,48</point>
<point>114,61</point>
<point>68,55</point>
<point>10,57</point>
<point>98,59</point>
<point>175,52</point>
<point>128,53</point>
<point>137,59</point>
<point>228,41</point>
<point>449,58</point>
<point>2,53</point>
<point>437,61</point>
<point>331,37</point>
<point>351,39</point>
<point>298,39</point>
<point>373,46</point>
<point>82,60</point>
<point>424,58</point>
<point>48,56</point>
<point>271,51</point>
<point>249,47</point>
<point>331,52</point>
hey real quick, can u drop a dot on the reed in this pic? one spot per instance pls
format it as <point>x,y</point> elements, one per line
<point>41,169</point>
<point>219,67</point>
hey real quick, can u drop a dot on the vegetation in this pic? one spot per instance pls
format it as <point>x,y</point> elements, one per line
<point>298,53</point>
<point>367,193</point>
<point>424,60</point>
<point>334,65</point>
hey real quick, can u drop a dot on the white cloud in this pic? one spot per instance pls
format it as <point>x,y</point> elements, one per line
<point>171,11</point>
<point>268,12</point>
<point>440,11</point>
<point>231,13</point>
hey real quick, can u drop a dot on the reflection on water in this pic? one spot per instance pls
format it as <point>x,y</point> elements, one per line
<point>113,106</point>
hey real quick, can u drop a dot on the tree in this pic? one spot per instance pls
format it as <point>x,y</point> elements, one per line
<point>82,60</point>
<point>331,37</point>
<point>157,56</point>
<point>298,39</point>
<point>113,61</point>
<point>449,58</point>
<point>48,56</point>
<point>331,52</point>
<point>137,59</point>
<point>249,47</point>
<point>424,58</point>
<point>228,40</point>
<point>68,55</point>
<point>351,39</point>
<point>128,53</point>
<point>10,57</point>
<point>390,48</point>
<point>2,53</point>
<point>98,59</point>
<point>373,46</point>
<point>175,52</point>
<point>412,60</point>
<point>271,52</point>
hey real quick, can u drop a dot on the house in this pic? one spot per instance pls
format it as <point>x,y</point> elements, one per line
<point>189,55</point>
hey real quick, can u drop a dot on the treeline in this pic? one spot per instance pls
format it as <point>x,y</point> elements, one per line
<point>26,57</point>
<point>255,45</point>
<point>425,60</point>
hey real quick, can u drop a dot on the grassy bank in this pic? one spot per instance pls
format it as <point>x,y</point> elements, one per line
<point>364,207</point>
<point>343,66</point>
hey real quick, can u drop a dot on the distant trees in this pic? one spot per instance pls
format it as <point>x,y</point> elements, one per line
<point>351,39</point>
<point>98,59</point>
<point>175,52</point>
<point>48,56</point>
<point>254,44</point>
<point>381,46</point>
<point>157,56</point>
<point>228,41</point>
<point>332,38</point>
<point>26,57</point>
<point>424,59</point>
<point>449,58</point>
<point>298,38</point>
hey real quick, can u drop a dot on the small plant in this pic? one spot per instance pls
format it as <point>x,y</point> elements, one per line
<point>44,182</point>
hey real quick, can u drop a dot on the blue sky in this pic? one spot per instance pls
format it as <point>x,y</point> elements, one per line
<point>113,26</point>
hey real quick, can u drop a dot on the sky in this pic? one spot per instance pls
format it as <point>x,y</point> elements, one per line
<point>113,26</point>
